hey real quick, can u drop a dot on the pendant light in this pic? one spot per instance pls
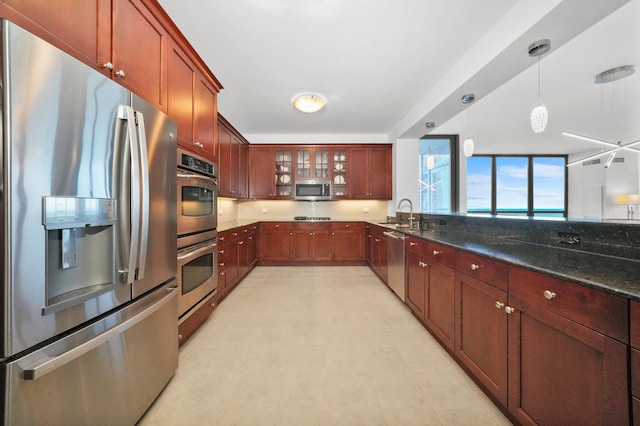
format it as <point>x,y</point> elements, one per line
<point>608,76</point>
<point>539,115</point>
<point>467,146</point>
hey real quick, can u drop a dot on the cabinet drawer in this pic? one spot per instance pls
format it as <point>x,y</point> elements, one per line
<point>347,226</point>
<point>437,253</point>
<point>276,225</point>
<point>482,268</point>
<point>312,226</point>
<point>415,245</point>
<point>600,311</point>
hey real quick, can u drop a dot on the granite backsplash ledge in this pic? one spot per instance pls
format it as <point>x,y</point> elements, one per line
<point>610,239</point>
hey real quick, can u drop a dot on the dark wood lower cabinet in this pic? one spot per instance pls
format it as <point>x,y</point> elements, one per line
<point>562,373</point>
<point>417,276</point>
<point>481,333</point>
<point>439,299</point>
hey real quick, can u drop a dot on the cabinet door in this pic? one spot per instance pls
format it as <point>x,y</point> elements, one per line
<point>180,82</point>
<point>262,173</point>
<point>225,141</point>
<point>439,301</point>
<point>252,242</point>
<point>205,124</point>
<point>139,44</point>
<point>348,242</point>
<point>275,244</point>
<point>358,186</point>
<point>234,167</point>
<point>321,243</point>
<point>416,283</point>
<point>81,28</point>
<point>243,257</point>
<point>243,159</point>
<point>302,245</point>
<point>564,373</point>
<point>379,173</point>
<point>481,332</point>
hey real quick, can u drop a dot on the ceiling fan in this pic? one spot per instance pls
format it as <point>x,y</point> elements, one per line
<point>607,77</point>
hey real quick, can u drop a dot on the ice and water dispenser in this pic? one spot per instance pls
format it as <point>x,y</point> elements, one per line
<point>80,249</point>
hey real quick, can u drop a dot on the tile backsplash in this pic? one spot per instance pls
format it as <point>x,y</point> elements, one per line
<point>374,210</point>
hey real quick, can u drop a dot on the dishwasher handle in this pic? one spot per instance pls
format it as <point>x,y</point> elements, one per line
<point>395,235</point>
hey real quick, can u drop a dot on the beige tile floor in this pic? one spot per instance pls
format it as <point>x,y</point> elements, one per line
<point>317,346</point>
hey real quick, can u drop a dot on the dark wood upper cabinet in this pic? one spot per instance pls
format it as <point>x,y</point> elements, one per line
<point>355,171</point>
<point>81,28</point>
<point>370,172</point>
<point>139,51</point>
<point>232,160</point>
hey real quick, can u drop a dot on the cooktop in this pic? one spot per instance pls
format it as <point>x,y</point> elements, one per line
<point>311,218</point>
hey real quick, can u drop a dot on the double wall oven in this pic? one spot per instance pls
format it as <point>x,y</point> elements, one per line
<point>197,236</point>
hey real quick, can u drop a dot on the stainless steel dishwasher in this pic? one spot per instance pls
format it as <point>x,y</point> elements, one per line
<point>395,262</point>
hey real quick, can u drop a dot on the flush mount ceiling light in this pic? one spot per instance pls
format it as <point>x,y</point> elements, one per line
<point>539,115</point>
<point>309,103</point>
<point>467,146</point>
<point>607,76</point>
<point>430,124</point>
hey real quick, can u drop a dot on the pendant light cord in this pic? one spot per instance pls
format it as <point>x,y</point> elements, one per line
<point>539,81</point>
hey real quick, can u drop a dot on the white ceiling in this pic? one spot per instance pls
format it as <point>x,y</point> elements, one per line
<point>386,67</point>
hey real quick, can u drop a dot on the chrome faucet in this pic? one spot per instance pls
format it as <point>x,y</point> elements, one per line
<point>411,218</point>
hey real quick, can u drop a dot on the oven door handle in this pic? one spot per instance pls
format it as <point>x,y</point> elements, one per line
<point>206,179</point>
<point>188,254</point>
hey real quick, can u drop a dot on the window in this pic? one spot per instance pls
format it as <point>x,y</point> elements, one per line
<point>438,174</point>
<point>524,185</point>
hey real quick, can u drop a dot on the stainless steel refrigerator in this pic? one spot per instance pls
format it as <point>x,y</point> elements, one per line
<point>88,204</point>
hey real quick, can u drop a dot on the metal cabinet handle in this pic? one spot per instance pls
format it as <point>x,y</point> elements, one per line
<point>240,243</point>
<point>290,233</point>
<point>221,264</point>
<point>411,243</point>
<point>120,73</point>
<point>549,294</point>
<point>108,65</point>
<point>436,252</point>
<point>475,267</point>
<point>509,309</point>
<point>221,272</point>
<point>220,251</point>
<point>499,305</point>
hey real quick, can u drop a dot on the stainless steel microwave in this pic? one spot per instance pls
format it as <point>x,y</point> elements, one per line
<point>313,190</point>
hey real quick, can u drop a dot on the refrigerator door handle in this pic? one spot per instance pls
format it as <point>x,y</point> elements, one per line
<point>128,114</point>
<point>49,364</point>
<point>144,196</point>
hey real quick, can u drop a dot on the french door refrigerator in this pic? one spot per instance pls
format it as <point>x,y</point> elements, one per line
<point>88,204</point>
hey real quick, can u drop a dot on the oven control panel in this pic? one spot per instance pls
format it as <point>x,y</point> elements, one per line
<point>197,164</point>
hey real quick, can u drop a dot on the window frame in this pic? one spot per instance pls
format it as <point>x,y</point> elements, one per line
<point>531,212</point>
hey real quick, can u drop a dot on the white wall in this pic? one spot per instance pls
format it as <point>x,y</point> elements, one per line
<point>406,157</point>
<point>593,188</point>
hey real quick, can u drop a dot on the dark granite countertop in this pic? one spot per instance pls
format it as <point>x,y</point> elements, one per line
<point>230,224</point>
<point>608,273</point>
<point>612,274</point>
